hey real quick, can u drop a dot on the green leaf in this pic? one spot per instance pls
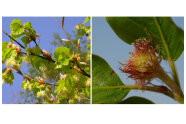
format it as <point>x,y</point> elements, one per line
<point>88,46</point>
<point>6,53</point>
<point>136,100</point>
<point>25,40</point>
<point>16,29</point>
<point>4,45</point>
<point>28,26</point>
<point>61,53</point>
<point>36,50</point>
<point>129,29</point>
<point>102,75</point>
<point>86,19</point>
<point>7,77</point>
<point>36,61</point>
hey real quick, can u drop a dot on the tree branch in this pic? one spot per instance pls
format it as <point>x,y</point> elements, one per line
<point>79,69</point>
<point>29,78</point>
<point>14,39</point>
<point>40,57</point>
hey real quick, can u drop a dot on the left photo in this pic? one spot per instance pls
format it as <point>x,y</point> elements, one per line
<point>46,60</point>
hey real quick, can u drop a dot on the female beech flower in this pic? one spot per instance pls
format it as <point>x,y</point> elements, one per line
<point>143,62</point>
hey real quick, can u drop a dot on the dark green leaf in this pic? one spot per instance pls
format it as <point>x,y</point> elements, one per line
<point>102,75</point>
<point>131,28</point>
<point>136,100</point>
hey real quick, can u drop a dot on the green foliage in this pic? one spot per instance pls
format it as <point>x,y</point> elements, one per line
<point>28,27</point>
<point>129,29</point>
<point>6,52</point>
<point>86,19</point>
<point>103,75</point>
<point>16,29</point>
<point>82,29</point>
<point>25,40</point>
<point>49,80</point>
<point>7,77</point>
<point>136,100</point>
<point>61,53</point>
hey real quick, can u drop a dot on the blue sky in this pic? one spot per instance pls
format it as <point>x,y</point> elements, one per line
<point>106,44</point>
<point>45,27</point>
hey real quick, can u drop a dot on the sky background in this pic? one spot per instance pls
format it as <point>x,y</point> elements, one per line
<point>106,44</point>
<point>45,27</point>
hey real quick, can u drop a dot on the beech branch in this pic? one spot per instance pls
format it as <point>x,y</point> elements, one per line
<point>29,78</point>
<point>78,68</point>
<point>14,39</point>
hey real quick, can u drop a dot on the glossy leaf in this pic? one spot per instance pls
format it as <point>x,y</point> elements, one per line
<point>102,75</point>
<point>136,100</point>
<point>129,29</point>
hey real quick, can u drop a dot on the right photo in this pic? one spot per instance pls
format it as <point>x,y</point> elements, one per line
<point>137,60</point>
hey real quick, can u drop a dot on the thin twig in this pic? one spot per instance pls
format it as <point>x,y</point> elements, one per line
<point>13,39</point>
<point>61,26</point>
<point>80,69</point>
<point>40,57</point>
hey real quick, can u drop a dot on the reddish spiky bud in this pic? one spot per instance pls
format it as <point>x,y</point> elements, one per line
<point>143,62</point>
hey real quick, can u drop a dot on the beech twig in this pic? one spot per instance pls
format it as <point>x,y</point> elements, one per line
<point>29,78</point>
<point>13,39</point>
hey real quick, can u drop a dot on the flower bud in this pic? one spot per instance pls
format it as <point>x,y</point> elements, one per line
<point>66,40</point>
<point>39,79</point>
<point>9,45</point>
<point>62,76</point>
<point>16,48</point>
<point>8,70</point>
<point>46,54</point>
<point>143,62</point>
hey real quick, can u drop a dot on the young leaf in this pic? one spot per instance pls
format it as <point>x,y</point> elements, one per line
<point>61,53</point>
<point>136,100</point>
<point>86,19</point>
<point>25,40</point>
<point>16,29</point>
<point>129,29</point>
<point>7,77</point>
<point>6,52</point>
<point>28,26</point>
<point>102,75</point>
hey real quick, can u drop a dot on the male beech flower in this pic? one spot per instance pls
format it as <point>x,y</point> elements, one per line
<point>143,62</point>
